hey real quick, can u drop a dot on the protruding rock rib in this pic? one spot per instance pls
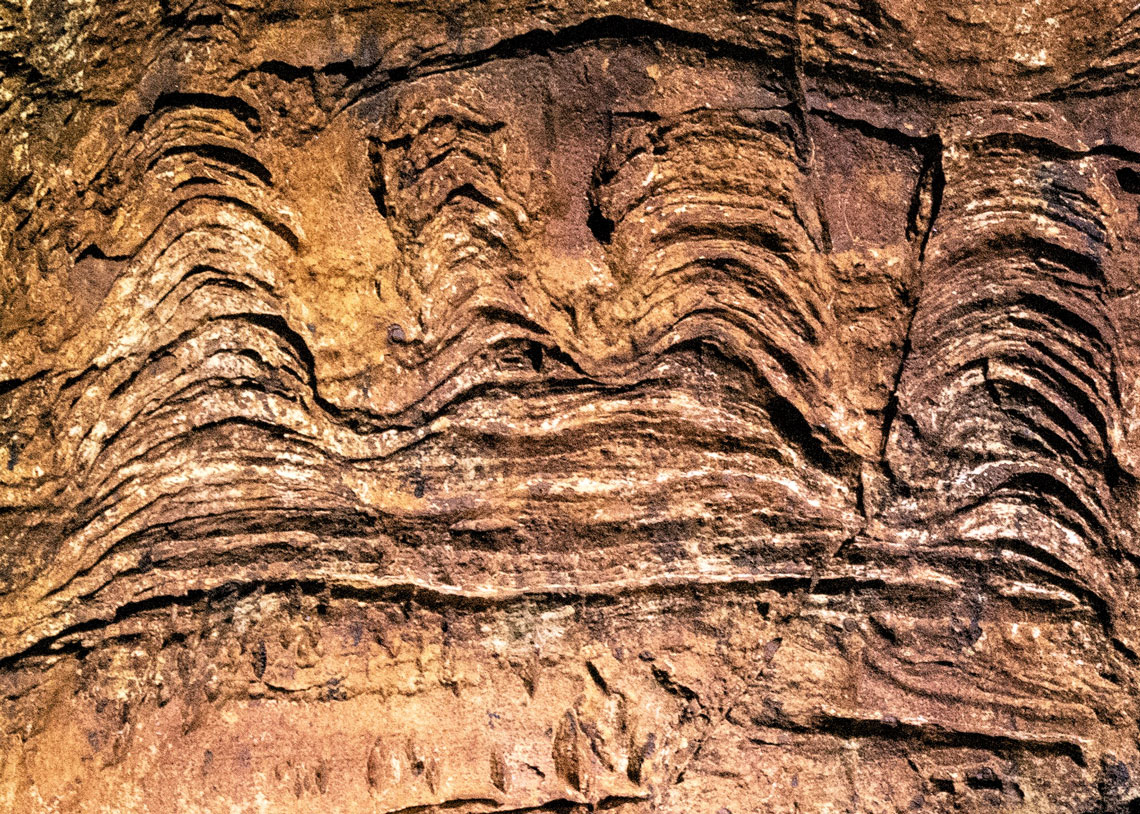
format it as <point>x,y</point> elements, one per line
<point>1009,395</point>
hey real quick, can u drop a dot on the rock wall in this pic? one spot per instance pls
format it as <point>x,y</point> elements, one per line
<point>673,406</point>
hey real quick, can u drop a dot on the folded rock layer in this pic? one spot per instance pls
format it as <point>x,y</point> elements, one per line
<point>674,406</point>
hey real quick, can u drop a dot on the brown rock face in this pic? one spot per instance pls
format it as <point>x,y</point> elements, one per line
<point>683,406</point>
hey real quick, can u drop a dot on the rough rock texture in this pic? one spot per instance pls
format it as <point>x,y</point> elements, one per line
<point>683,406</point>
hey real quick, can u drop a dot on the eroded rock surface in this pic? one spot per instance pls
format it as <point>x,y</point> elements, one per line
<point>683,406</point>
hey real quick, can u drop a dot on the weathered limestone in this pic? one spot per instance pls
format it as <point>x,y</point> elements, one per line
<point>677,406</point>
